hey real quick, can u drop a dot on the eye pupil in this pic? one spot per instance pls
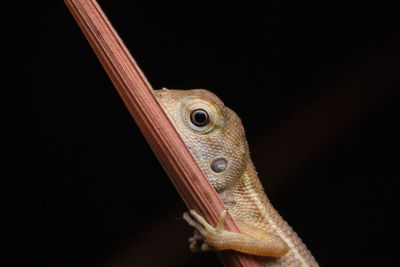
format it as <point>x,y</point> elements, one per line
<point>199,117</point>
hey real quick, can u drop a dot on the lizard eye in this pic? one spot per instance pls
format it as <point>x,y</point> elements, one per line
<point>199,117</point>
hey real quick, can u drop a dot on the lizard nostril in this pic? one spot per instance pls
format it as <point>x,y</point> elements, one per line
<point>219,165</point>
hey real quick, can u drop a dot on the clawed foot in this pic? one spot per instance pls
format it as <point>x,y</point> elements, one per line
<point>198,243</point>
<point>203,230</point>
<point>206,237</point>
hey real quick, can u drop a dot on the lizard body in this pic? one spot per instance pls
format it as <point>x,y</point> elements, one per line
<point>215,137</point>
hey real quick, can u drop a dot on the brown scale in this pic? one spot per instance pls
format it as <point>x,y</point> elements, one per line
<point>215,136</point>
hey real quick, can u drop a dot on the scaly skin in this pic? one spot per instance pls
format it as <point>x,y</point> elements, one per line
<point>263,230</point>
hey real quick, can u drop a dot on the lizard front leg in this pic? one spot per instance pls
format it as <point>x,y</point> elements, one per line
<point>261,244</point>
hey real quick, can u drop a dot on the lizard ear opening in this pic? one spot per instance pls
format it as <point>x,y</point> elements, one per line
<point>219,165</point>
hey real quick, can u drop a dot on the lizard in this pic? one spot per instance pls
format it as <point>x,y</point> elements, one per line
<point>215,136</point>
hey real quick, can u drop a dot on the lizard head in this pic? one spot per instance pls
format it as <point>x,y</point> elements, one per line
<point>213,133</point>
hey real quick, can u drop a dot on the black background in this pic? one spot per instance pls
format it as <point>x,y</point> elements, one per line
<point>315,83</point>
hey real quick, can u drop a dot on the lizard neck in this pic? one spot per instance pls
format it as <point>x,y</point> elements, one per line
<point>248,204</point>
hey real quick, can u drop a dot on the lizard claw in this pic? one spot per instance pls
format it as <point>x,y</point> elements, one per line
<point>197,241</point>
<point>205,226</point>
<point>193,223</point>
<point>196,236</point>
<point>202,230</point>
